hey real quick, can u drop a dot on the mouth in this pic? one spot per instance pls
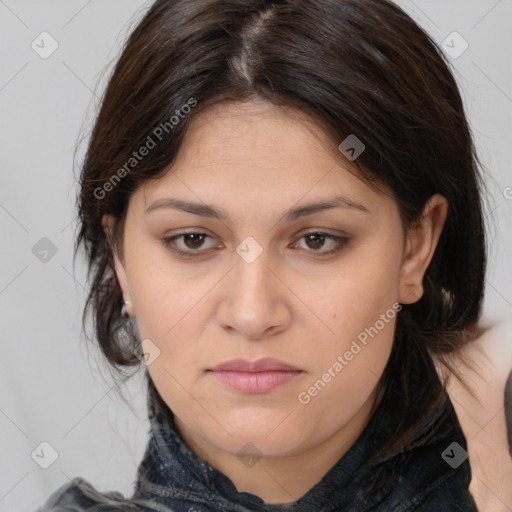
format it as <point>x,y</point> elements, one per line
<point>254,376</point>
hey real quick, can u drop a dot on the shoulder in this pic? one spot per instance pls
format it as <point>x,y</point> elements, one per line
<point>80,496</point>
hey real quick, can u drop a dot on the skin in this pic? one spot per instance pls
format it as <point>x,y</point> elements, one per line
<point>291,303</point>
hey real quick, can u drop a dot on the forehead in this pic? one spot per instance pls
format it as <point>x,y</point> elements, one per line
<point>256,155</point>
<point>254,134</point>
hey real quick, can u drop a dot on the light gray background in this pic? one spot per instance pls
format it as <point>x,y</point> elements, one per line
<point>50,389</point>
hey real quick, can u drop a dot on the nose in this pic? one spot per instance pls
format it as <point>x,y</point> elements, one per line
<point>254,302</point>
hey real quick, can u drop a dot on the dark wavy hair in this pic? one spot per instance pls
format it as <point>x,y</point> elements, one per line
<point>360,67</point>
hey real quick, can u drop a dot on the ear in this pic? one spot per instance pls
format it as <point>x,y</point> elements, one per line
<point>421,244</point>
<point>120,270</point>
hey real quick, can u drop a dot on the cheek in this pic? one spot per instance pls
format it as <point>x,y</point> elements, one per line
<point>161,296</point>
<point>360,309</point>
<point>362,320</point>
<point>354,300</point>
<point>170,311</point>
<point>347,369</point>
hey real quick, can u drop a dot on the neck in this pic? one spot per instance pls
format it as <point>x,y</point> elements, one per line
<point>286,479</point>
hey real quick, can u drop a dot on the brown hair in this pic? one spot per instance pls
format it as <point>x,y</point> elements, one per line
<point>360,67</point>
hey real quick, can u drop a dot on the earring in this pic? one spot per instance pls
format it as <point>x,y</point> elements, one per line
<point>124,312</point>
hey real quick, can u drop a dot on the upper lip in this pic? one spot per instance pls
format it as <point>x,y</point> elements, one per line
<point>261,365</point>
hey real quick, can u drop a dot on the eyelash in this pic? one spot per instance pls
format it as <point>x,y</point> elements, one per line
<point>168,243</point>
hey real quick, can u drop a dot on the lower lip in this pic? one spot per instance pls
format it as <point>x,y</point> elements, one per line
<point>255,382</point>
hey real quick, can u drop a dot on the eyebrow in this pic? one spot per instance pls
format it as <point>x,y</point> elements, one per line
<point>206,210</point>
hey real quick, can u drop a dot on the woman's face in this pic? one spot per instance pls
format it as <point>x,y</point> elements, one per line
<point>263,278</point>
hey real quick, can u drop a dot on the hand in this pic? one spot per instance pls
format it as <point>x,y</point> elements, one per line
<point>483,418</point>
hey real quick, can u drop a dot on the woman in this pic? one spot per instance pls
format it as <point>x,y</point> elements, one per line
<point>280,207</point>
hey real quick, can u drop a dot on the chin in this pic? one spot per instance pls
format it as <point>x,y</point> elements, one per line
<point>245,444</point>
<point>262,432</point>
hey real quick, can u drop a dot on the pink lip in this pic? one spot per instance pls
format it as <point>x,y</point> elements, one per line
<point>256,376</point>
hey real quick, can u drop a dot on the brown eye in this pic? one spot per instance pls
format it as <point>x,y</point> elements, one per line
<point>317,240</point>
<point>191,246</point>
<point>193,240</point>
